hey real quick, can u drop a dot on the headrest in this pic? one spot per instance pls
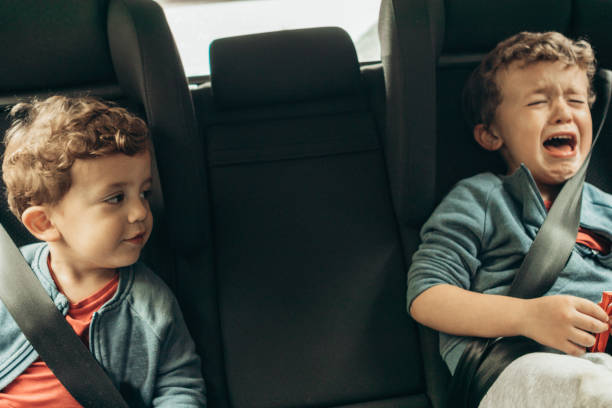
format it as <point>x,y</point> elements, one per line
<point>476,26</point>
<point>61,47</point>
<point>150,72</point>
<point>592,21</point>
<point>283,66</point>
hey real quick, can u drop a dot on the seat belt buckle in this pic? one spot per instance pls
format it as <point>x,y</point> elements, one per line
<point>601,339</point>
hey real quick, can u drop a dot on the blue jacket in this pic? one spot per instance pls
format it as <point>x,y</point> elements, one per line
<point>478,236</point>
<point>139,337</point>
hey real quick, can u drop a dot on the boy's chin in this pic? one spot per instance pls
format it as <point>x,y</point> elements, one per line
<point>558,174</point>
<point>126,260</point>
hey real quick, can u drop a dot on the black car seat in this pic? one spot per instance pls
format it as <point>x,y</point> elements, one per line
<point>309,266</point>
<point>429,47</point>
<point>119,50</point>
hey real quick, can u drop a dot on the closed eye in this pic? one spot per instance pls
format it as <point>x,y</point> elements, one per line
<point>535,103</point>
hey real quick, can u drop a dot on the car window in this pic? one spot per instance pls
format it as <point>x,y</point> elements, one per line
<point>195,24</point>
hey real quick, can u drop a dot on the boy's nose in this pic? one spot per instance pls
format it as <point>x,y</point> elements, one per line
<point>138,210</point>
<point>561,112</point>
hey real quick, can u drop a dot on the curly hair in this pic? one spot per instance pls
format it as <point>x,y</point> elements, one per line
<point>482,95</point>
<point>46,137</point>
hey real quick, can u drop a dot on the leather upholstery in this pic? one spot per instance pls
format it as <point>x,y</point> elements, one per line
<point>150,72</point>
<point>288,66</point>
<point>310,273</point>
<point>65,46</point>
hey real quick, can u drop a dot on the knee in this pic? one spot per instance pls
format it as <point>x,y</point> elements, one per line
<point>594,389</point>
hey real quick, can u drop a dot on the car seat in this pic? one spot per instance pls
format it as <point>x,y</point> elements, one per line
<point>309,267</point>
<point>429,48</point>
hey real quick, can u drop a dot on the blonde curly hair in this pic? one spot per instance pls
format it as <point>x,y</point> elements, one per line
<point>482,95</point>
<point>46,137</point>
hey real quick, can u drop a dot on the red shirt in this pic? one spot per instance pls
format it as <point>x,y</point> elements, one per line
<point>37,386</point>
<point>589,238</point>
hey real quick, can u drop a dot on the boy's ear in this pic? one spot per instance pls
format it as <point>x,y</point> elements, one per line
<point>36,220</point>
<point>486,138</point>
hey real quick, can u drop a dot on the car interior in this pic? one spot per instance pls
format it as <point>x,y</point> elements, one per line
<point>294,180</point>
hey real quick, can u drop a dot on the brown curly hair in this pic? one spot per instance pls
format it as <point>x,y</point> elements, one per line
<point>482,95</point>
<point>46,137</point>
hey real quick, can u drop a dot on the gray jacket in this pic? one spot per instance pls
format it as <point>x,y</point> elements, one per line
<point>478,236</point>
<point>139,337</point>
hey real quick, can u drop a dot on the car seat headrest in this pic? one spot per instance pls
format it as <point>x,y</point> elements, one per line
<point>592,21</point>
<point>476,26</point>
<point>55,49</point>
<point>284,66</point>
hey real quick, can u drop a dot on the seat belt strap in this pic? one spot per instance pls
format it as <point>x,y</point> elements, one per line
<point>556,238</point>
<point>50,334</point>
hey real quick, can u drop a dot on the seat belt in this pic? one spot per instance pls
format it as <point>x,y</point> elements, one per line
<point>484,359</point>
<point>49,332</point>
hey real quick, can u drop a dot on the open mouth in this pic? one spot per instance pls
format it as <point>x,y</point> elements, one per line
<point>561,144</point>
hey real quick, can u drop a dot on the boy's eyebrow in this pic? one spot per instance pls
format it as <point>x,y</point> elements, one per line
<point>541,90</point>
<point>544,90</point>
<point>123,183</point>
<point>572,90</point>
<point>115,185</point>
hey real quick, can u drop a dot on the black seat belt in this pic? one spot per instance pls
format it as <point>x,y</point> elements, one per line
<point>49,332</point>
<point>485,359</point>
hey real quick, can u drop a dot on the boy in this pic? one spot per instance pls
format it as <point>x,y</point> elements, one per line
<point>531,100</point>
<point>78,176</point>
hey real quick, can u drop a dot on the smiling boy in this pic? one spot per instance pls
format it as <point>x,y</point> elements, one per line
<point>78,176</point>
<point>530,100</point>
<point>110,193</point>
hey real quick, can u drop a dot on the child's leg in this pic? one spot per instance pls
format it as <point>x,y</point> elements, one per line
<point>553,380</point>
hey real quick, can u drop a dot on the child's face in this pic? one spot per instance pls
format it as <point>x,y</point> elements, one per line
<point>544,121</point>
<point>104,219</point>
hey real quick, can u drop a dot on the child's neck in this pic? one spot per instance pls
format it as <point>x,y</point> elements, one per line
<point>77,284</point>
<point>549,192</point>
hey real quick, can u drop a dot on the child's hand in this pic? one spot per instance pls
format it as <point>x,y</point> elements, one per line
<point>564,322</point>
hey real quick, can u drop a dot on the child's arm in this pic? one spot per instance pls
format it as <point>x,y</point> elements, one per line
<point>561,322</point>
<point>179,379</point>
<point>469,223</point>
